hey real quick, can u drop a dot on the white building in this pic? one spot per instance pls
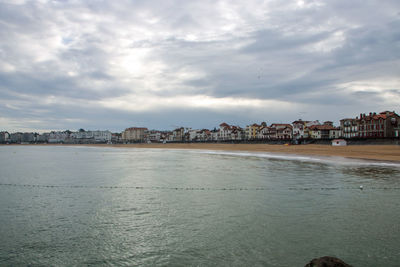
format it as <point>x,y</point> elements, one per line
<point>350,128</point>
<point>199,135</point>
<point>92,136</point>
<point>154,136</point>
<point>283,131</point>
<point>214,135</point>
<point>224,132</point>
<point>102,136</point>
<point>298,129</point>
<point>335,133</point>
<point>58,137</point>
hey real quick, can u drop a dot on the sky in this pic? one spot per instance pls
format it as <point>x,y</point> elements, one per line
<point>110,65</point>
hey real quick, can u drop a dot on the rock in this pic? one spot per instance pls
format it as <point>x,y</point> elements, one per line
<point>327,262</point>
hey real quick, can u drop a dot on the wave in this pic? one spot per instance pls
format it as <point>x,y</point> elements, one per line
<point>331,160</point>
<point>304,158</point>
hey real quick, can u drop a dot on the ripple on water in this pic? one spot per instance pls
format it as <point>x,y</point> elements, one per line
<point>170,208</point>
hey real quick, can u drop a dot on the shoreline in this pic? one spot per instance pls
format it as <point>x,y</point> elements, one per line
<point>365,152</point>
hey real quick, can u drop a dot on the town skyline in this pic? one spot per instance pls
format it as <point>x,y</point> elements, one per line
<point>173,127</point>
<point>385,124</point>
<point>160,64</point>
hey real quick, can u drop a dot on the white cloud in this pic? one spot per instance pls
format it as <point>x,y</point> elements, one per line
<point>148,103</point>
<point>145,56</point>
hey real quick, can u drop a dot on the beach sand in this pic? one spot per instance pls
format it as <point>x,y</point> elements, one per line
<point>372,152</point>
<point>369,152</point>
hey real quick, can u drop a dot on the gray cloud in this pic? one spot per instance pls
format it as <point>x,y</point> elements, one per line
<point>83,63</point>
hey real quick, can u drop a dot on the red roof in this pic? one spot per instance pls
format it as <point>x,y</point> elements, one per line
<point>373,116</point>
<point>322,127</point>
<point>300,121</point>
<point>281,124</point>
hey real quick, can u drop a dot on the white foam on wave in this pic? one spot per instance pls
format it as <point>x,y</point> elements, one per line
<point>304,158</point>
<point>331,160</point>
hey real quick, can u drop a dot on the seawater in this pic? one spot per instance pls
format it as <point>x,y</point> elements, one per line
<point>99,206</point>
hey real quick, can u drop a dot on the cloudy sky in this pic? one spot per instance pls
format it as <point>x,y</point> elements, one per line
<point>160,64</point>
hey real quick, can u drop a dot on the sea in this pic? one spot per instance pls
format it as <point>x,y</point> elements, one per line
<point>105,206</point>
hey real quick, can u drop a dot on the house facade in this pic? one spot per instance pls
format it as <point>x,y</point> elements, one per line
<point>282,131</point>
<point>298,129</point>
<point>134,134</point>
<point>326,131</point>
<point>91,137</point>
<point>301,129</point>
<point>224,132</point>
<point>252,131</point>
<point>178,134</point>
<point>382,125</point>
<point>350,127</point>
<point>4,137</point>
<point>237,133</point>
<point>58,137</point>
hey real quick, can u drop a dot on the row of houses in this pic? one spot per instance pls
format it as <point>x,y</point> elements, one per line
<point>67,137</point>
<point>373,125</point>
<point>226,132</point>
<point>383,125</point>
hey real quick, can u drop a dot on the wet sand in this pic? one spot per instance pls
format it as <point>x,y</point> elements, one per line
<point>372,152</point>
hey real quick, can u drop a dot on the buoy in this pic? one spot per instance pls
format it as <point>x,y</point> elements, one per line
<point>361,187</point>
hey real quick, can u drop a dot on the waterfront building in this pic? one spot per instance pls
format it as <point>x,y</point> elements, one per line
<point>102,136</point>
<point>298,129</point>
<point>350,127</point>
<point>4,137</point>
<point>83,136</point>
<point>301,129</point>
<point>192,135</point>
<point>322,131</point>
<point>262,133</point>
<point>116,138</point>
<point>178,134</point>
<point>227,132</point>
<point>282,131</point>
<point>201,135</point>
<point>308,124</point>
<point>237,133</point>
<point>134,134</point>
<point>380,125</point>
<point>28,137</point>
<point>335,133</point>
<point>214,134</point>
<point>252,131</point>
<point>43,138</point>
<point>154,136</point>
<point>16,137</point>
<point>224,131</point>
<point>58,137</point>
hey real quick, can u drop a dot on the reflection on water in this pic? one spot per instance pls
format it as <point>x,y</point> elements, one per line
<point>78,206</point>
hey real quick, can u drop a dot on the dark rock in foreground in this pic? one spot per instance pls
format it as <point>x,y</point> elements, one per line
<point>327,262</point>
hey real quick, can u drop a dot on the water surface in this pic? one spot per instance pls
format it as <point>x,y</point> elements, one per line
<point>74,206</point>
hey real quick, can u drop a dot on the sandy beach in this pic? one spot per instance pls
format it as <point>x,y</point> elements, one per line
<point>372,152</point>
<point>369,152</point>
